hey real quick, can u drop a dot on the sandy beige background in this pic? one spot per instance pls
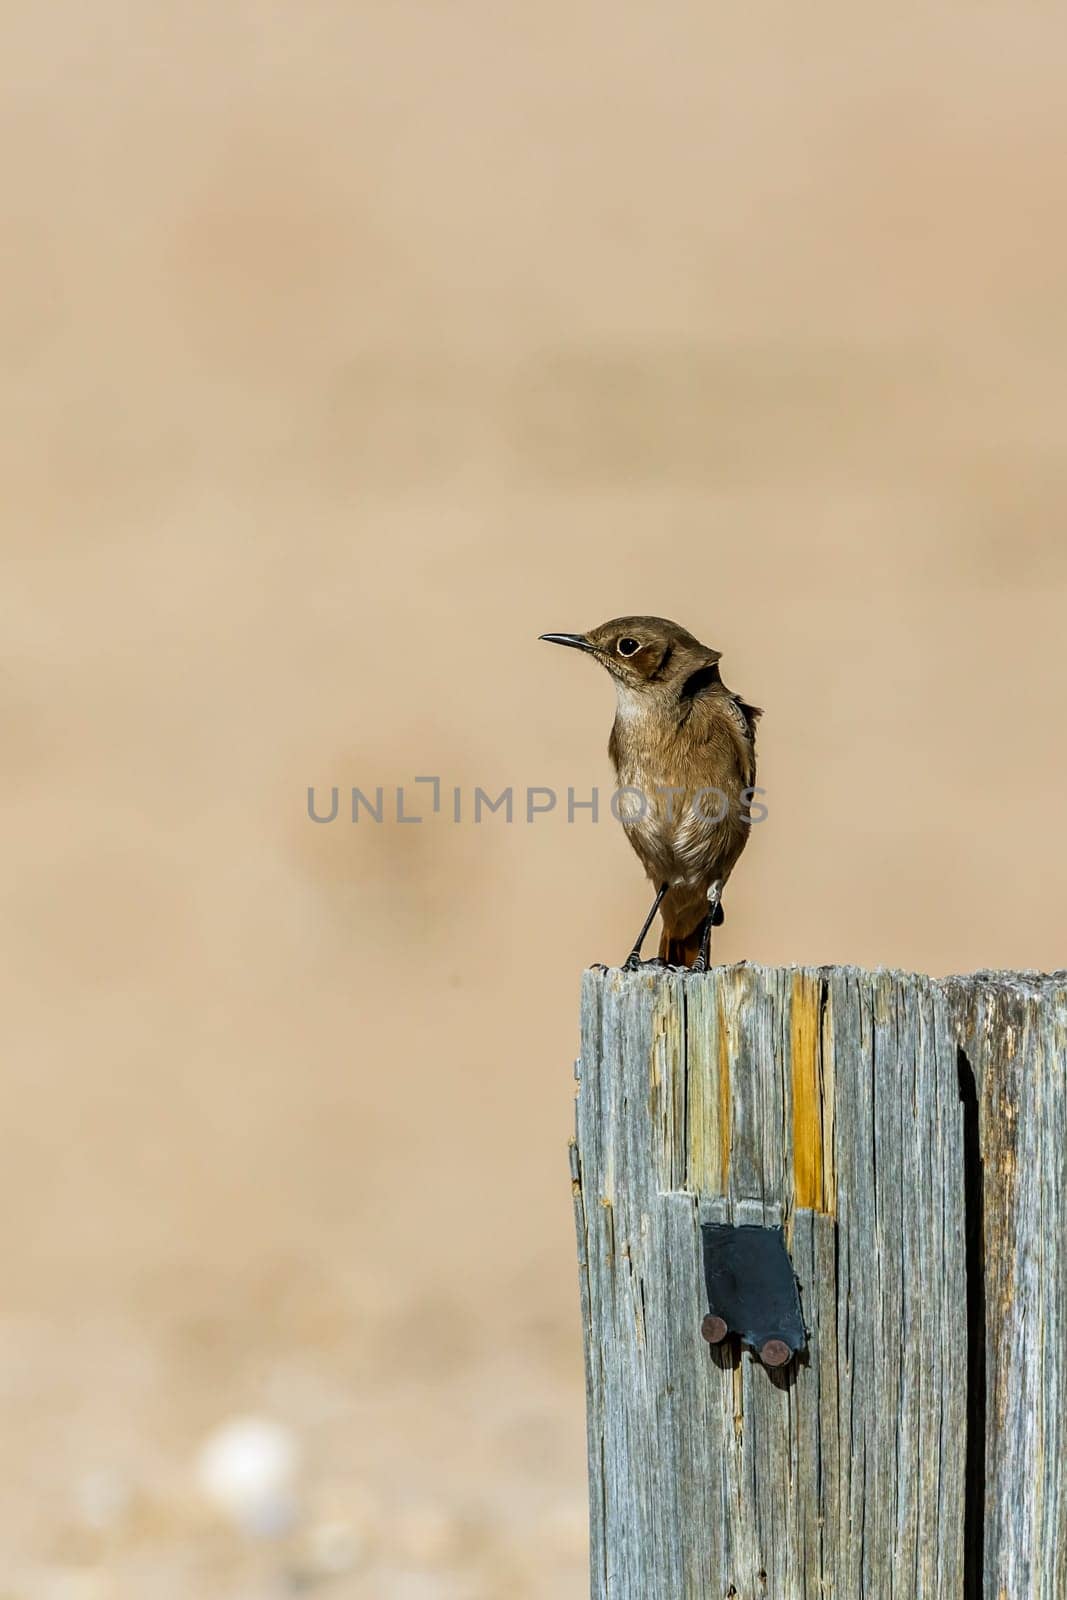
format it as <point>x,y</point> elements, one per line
<point>346,348</point>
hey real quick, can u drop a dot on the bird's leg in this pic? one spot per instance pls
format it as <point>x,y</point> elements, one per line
<point>633,960</point>
<point>714,897</point>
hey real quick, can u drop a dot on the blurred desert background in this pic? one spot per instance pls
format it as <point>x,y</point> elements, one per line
<point>346,348</point>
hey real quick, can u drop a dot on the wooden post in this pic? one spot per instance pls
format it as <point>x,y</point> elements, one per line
<point>911,1136</point>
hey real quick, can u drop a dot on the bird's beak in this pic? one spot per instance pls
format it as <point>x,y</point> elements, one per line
<point>577,641</point>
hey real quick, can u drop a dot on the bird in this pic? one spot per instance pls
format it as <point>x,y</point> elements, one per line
<point>683,747</point>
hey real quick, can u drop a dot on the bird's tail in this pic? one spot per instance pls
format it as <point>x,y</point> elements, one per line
<point>681,950</point>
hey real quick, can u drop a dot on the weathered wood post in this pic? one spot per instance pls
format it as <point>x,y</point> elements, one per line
<point>911,1138</point>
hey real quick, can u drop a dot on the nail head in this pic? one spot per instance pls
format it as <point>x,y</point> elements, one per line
<point>775,1353</point>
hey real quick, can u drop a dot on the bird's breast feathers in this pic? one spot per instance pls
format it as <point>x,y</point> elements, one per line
<point>688,780</point>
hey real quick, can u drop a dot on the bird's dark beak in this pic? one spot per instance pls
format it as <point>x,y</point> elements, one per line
<point>577,641</point>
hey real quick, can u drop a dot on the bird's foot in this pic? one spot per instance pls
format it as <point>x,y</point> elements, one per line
<point>712,919</point>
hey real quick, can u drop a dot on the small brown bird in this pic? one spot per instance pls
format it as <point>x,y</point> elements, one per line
<point>684,749</point>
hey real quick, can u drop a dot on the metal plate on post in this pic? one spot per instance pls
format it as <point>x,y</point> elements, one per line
<point>752,1291</point>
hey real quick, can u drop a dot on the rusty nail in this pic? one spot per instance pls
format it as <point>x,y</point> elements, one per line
<point>714,1330</point>
<point>774,1353</point>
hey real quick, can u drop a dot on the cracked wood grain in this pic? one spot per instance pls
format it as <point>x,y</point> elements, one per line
<point>834,1101</point>
<point>1011,1030</point>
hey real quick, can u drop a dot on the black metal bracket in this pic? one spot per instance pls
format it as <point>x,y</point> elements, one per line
<point>752,1291</point>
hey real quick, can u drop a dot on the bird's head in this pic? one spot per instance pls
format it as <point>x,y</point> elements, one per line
<point>647,656</point>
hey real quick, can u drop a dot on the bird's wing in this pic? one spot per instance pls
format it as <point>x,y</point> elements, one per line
<point>730,722</point>
<point>745,716</point>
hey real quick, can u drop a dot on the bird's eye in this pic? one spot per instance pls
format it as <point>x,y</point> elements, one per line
<point>628,647</point>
